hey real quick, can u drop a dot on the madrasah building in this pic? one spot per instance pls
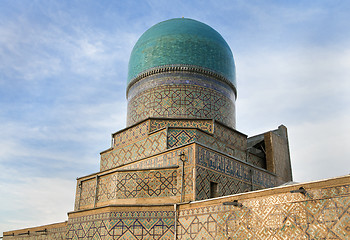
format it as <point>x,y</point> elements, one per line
<point>181,170</point>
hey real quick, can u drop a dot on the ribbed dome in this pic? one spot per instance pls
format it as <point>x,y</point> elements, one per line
<point>179,42</point>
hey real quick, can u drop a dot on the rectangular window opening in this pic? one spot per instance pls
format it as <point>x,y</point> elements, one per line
<point>214,191</point>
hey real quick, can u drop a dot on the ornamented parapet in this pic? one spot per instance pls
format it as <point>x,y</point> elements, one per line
<point>321,212</point>
<point>56,231</point>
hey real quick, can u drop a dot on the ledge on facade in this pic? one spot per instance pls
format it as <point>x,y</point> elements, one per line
<point>35,230</point>
<point>292,189</point>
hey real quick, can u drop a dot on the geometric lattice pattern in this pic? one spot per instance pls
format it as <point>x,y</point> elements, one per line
<point>154,143</point>
<point>226,185</point>
<point>167,159</point>
<point>123,225</point>
<point>130,135</point>
<point>158,183</point>
<point>141,130</point>
<point>280,216</point>
<point>178,101</point>
<point>85,194</point>
<point>219,145</point>
<point>222,164</point>
<point>231,137</point>
<point>122,185</point>
<point>180,136</point>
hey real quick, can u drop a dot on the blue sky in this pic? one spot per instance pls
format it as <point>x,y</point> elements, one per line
<point>63,73</point>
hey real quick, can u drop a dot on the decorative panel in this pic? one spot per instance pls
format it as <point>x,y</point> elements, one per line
<point>180,136</point>
<point>155,143</point>
<point>86,193</point>
<point>223,164</point>
<point>181,101</point>
<point>216,144</point>
<point>170,158</point>
<point>133,134</point>
<point>123,225</point>
<point>226,185</point>
<point>230,137</point>
<point>141,184</point>
<point>205,125</point>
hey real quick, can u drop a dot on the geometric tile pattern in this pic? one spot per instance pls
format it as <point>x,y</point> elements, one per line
<point>179,78</point>
<point>231,137</point>
<point>122,225</point>
<point>154,143</point>
<point>180,136</point>
<point>122,185</point>
<point>233,168</point>
<point>85,195</point>
<point>277,217</point>
<point>203,124</point>
<point>170,158</point>
<point>143,184</point>
<point>217,144</point>
<point>178,101</point>
<point>130,135</point>
<point>226,185</point>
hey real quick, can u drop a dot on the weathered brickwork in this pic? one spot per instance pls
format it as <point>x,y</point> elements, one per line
<point>277,154</point>
<point>256,161</point>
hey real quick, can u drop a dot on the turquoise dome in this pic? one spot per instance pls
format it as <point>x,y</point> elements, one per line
<point>182,41</point>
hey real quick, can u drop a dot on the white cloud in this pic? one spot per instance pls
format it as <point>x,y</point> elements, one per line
<point>305,89</point>
<point>34,201</point>
<point>320,149</point>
